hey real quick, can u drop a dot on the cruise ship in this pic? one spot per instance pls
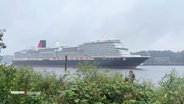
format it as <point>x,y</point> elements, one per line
<point>105,53</point>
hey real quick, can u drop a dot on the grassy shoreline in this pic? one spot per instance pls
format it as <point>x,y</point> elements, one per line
<point>86,86</point>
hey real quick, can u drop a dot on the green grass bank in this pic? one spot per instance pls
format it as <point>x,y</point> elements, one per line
<point>86,86</point>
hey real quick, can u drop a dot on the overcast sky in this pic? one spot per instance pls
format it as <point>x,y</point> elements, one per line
<point>139,24</point>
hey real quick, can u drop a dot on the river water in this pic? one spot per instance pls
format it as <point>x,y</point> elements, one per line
<point>142,73</point>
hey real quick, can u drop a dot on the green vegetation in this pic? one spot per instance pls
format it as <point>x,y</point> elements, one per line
<point>2,44</point>
<point>86,86</point>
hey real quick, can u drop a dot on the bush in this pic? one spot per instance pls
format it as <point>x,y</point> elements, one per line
<point>91,86</point>
<point>171,90</point>
<point>86,86</point>
<point>25,79</point>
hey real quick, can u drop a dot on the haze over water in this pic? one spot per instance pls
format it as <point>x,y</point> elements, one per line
<point>142,73</point>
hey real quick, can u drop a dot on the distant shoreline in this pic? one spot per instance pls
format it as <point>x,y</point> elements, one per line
<point>162,65</point>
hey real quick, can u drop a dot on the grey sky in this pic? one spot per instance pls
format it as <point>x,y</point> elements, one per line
<point>139,24</point>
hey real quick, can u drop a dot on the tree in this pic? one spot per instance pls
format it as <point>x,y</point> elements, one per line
<point>2,45</point>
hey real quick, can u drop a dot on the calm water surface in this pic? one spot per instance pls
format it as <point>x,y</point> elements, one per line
<point>147,73</point>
